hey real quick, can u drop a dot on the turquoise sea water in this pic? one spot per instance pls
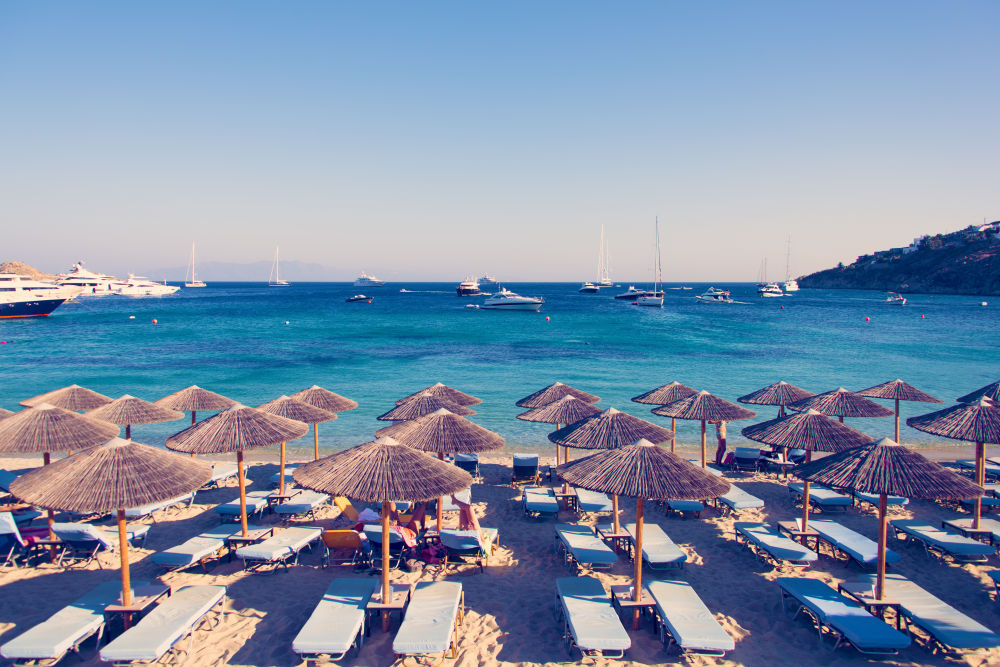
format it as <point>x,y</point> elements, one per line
<point>254,343</point>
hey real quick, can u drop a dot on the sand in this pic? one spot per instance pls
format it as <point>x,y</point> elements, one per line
<point>510,617</point>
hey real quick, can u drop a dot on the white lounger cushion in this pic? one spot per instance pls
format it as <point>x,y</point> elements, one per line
<point>286,543</point>
<point>146,510</point>
<point>107,536</point>
<point>171,620</point>
<point>853,543</point>
<point>540,499</point>
<point>738,499</point>
<point>593,501</point>
<point>774,543</point>
<point>337,619</point>
<point>198,547</point>
<point>303,502</point>
<point>591,619</point>
<point>256,501</point>
<point>430,619</point>
<point>657,547</point>
<point>689,621</point>
<point>585,546</point>
<point>955,545</point>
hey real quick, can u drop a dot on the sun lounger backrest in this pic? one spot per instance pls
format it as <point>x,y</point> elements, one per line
<point>337,620</point>
<point>342,539</point>
<point>81,532</point>
<point>373,531</point>
<point>690,623</point>
<point>345,507</point>
<point>9,530</point>
<point>430,619</point>
<point>589,615</point>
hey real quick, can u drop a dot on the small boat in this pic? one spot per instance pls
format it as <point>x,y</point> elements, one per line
<point>140,286</point>
<point>365,280</point>
<point>654,299</point>
<point>507,300</point>
<point>589,288</point>
<point>359,297</point>
<point>474,306</point>
<point>769,290</point>
<point>468,287</point>
<point>895,299</point>
<point>712,295</point>
<point>487,279</point>
<point>191,279</point>
<point>632,293</point>
<point>274,280</point>
<point>790,284</point>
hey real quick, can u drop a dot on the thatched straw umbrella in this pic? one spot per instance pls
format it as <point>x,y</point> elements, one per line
<point>888,469</point>
<point>898,391</point>
<point>704,407</point>
<point>553,393</point>
<point>780,394</point>
<point>324,399</point>
<point>424,404</point>
<point>237,429</point>
<point>73,397</point>
<point>443,432</point>
<point>977,422</point>
<point>444,391</point>
<point>990,391</point>
<point>4,413</point>
<point>811,431</point>
<point>193,399</point>
<point>662,395</point>
<point>566,410</point>
<point>611,429</point>
<point>382,471</point>
<point>841,403</point>
<point>115,476</point>
<point>292,408</point>
<point>642,470</point>
<point>128,410</point>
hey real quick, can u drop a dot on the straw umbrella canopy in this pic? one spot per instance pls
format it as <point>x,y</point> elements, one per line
<point>662,395</point>
<point>977,422</point>
<point>113,477</point>
<point>74,397</point>
<point>4,413</point>
<point>888,469</point>
<point>292,408</point>
<point>566,410</point>
<point>325,399</point>
<point>811,431</point>
<point>841,403</point>
<point>195,398</point>
<point>237,429</point>
<point>643,470</point>
<point>704,407</point>
<point>990,391</point>
<point>610,429</point>
<point>780,394</point>
<point>443,432</point>
<point>898,391</point>
<point>424,404</point>
<point>554,392</point>
<point>444,391</point>
<point>128,410</point>
<point>382,471</point>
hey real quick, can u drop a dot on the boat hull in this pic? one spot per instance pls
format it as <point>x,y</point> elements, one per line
<point>512,306</point>
<point>467,291</point>
<point>36,308</point>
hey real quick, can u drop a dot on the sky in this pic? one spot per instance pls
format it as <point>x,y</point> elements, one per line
<point>434,140</point>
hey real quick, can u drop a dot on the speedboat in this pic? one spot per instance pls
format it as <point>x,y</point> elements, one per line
<point>365,280</point>
<point>769,290</point>
<point>359,297</point>
<point>21,296</point>
<point>507,300</point>
<point>140,286</point>
<point>713,295</point>
<point>895,299</point>
<point>468,287</point>
<point>633,293</point>
<point>589,288</point>
<point>487,279</point>
<point>90,283</point>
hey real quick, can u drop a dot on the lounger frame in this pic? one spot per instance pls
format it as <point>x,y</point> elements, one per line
<point>932,549</point>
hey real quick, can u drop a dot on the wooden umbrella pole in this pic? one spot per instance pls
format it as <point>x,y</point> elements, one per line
<point>882,521</point>
<point>386,592</point>
<point>241,478</point>
<point>897,420</point>
<point>557,446</point>
<point>566,460</point>
<point>123,555</point>
<point>805,497</point>
<point>193,414</point>
<point>281,479</point>
<point>980,480</point>
<point>440,507</point>
<point>673,436</point>
<point>316,441</point>
<point>614,512</point>
<point>637,576</point>
<point>128,431</point>
<point>703,464</point>
<point>841,418</point>
<point>47,459</point>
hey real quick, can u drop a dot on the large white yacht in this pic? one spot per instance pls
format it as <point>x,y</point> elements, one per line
<point>90,283</point>
<point>769,289</point>
<point>712,295</point>
<point>365,280</point>
<point>507,300</point>
<point>487,279</point>
<point>21,296</point>
<point>468,287</point>
<point>140,286</point>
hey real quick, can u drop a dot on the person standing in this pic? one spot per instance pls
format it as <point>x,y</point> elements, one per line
<point>720,435</point>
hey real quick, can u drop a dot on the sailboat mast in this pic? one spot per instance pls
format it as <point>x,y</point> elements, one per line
<point>788,260</point>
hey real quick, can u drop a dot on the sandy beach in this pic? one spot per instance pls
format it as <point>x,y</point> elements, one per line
<point>510,617</point>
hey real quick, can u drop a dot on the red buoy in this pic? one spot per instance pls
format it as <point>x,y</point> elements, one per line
<point>868,319</point>
<point>154,321</point>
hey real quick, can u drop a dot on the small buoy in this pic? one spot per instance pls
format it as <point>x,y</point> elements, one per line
<point>286,321</point>
<point>782,307</point>
<point>154,321</point>
<point>984,304</point>
<point>921,316</point>
<point>868,319</point>
<point>546,318</point>
<point>3,342</point>
<point>131,317</point>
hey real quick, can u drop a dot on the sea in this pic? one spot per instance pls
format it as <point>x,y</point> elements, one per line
<point>254,343</point>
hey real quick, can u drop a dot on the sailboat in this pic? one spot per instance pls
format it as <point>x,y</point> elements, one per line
<point>274,280</point>
<point>790,284</point>
<point>765,288</point>
<point>603,264</point>
<point>190,278</point>
<point>654,299</point>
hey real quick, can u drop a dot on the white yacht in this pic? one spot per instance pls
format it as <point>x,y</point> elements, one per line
<point>468,287</point>
<point>507,300</point>
<point>21,296</point>
<point>365,280</point>
<point>895,299</point>
<point>712,295</point>
<point>589,288</point>
<point>769,290</point>
<point>141,286</point>
<point>274,279</point>
<point>487,279</point>
<point>90,283</point>
<point>654,299</point>
<point>791,285</point>
<point>190,278</point>
<point>634,293</point>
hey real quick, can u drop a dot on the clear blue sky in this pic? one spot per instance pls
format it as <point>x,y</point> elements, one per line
<point>430,140</point>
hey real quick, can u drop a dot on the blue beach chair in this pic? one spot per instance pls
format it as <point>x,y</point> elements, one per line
<point>941,543</point>
<point>853,545</point>
<point>590,623</point>
<point>524,468</point>
<point>820,497</point>
<point>432,619</point>
<point>768,544</point>
<point>658,550</point>
<point>685,622</point>
<point>539,501</point>
<point>580,547</point>
<point>338,621</point>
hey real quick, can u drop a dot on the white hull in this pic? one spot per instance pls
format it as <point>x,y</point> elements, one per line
<point>195,284</point>
<point>507,300</point>
<point>532,305</point>
<point>650,301</point>
<point>791,286</point>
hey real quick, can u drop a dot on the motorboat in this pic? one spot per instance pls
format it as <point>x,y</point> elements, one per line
<point>769,290</point>
<point>589,288</point>
<point>21,296</point>
<point>504,299</point>
<point>655,298</point>
<point>633,293</point>
<point>712,295</point>
<point>359,297</point>
<point>274,280</point>
<point>895,299</point>
<point>191,278</point>
<point>90,283</point>
<point>141,286</point>
<point>365,280</point>
<point>790,285</point>
<point>487,279</point>
<point>468,287</point>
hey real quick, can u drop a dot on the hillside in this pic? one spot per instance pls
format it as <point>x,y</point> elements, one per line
<point>963,262</point>
<point>23,269</point>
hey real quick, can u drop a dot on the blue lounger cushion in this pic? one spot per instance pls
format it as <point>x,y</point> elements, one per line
<point>738,499</point>
<point>302,503</point>
<point>430,619</point>
<point>65,629</point>
<point>693,506</point>
<point>992,525</point>
<point>275,478</point>
<point>992,469</point>
<point>686,619</point>
<point>773,543</point>
<point>585,547</point>
<point>373,531</point>
<point>107,536</point>
<point>865,632</point>
<point>590,618</point>
<point>171,620</point>
<point>146,510</point>
<point>469,540</point>
<point>658,550</point>
<point>338,620</point>
<point>449,505</point>
<point>873,499</point>
<point>281,546</point>
<point>540,500</point>
<point>593,502</point>
<point>256,502</point>
<point>854,544</point>
<point>934,538</point>
<point>198,547</point>
<point>821,496</point>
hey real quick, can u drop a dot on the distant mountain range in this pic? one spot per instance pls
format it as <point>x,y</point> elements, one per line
<point>291,271</point>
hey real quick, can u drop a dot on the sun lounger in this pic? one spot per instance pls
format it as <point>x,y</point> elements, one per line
<point>540,501</point>
<point>964,524</point>
<point>469,544</point>
<point>81,542</point>
<point>338,621</point>
<point>590,623</point>
<point>15,541</point>
<point>940,542</point>
<point>580,547</point>
<point>449,505</point>
<point>343,547</point>
<point>305,503</point>
<point>853,545</point>
<point>736,499</point>
<point>430,626</point>
<point>199,549</point>
<point>992,469</point>
<point>222,472</point>
<point>685,622</point>
<point>67,629</point>
<point>746,459</point>
<point>841,617</point>
<point>524,468</point>
<point>469,463</point>
<point>346,508</point>
<point>987,503</point>
<point>873,499</point>
<point>769,544</point>
<point>592,502</point>
<point>159,631</point>
<point>397,546</point>
<point>275,478</point>
<point>686,507</point>
<point>280,548</point>
<point>821,497</point>
<point>256,504</point>
<point>135,513</point>
<point>658,550</point>
<point>939,623</point>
